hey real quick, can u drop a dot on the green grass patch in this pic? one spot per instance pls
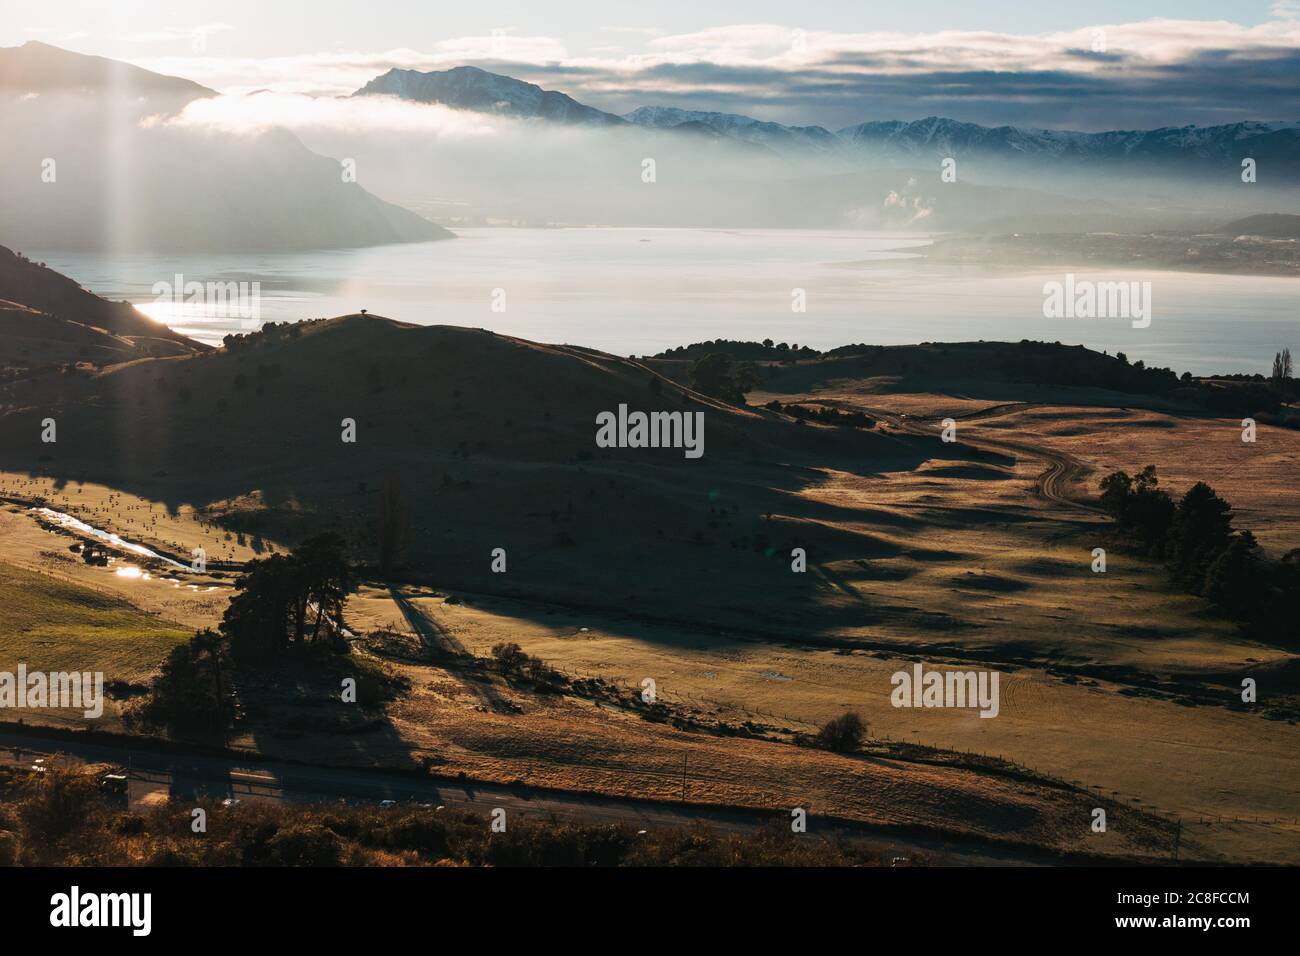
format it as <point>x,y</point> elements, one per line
<point>49,624</point>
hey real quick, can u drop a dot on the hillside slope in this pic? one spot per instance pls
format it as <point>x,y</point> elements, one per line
<point>493,441</point>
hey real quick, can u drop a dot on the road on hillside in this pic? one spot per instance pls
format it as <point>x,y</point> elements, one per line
<point>1061,468</point>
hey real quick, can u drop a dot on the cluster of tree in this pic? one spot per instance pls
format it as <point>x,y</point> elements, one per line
<point>823,414</point>
<point>270,332</point>
<point>290,599</point>
<point>1206,555</point>
<point>718,376</point>
<point>765,351</point>
<point>1247,398</point>
<point>1044,363</point>
<point>1282,378</point>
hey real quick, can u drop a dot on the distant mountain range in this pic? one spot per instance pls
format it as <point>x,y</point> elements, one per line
<point>887,141</point>
<point>937,137</point>
<point>129,181</point>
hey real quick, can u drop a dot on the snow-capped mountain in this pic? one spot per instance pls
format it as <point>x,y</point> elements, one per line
<point>898,142</point>
<point>745,128</point>
<point>469,88</point>
<point>935,136</point>
<point>996,155</point>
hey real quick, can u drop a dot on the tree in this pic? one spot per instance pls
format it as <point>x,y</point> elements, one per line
<point>1139,507</point>
<point>209,642</point>
<point>1116,489</point>
<point>1201,531</point>
<point>1233,579</point>
<point>268,596</point>
<point>510,657</point>
<point>716,375</point>
<point>188,695</point>
<point>1282,366</point>
<point>273,596</point>
<point>326,577</point>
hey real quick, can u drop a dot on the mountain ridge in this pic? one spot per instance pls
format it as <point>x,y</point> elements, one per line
<point>468,87</point>
<point>473,88</point>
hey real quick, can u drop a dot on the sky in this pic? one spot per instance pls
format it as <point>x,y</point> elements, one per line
<point>1103,65</point>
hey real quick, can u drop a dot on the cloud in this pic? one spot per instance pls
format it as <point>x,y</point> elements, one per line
<point>178,34</point>
<point>261,111</point>
<point>1153,72</point>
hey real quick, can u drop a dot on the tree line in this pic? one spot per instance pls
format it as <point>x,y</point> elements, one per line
<point>1205,554</point>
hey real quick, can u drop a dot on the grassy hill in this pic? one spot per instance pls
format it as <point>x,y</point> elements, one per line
<point>493,441</point>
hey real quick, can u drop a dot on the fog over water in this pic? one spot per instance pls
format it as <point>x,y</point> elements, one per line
<point>641,290</point>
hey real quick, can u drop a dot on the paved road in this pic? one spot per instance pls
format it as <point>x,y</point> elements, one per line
<point>189,776</point>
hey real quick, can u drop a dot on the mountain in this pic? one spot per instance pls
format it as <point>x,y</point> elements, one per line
<point>744,128</point>
<point>938,137</point>
<point>925,140</point>
<point>40,68</point>
<point>102,169</point>
<point>469,88</point>
<point>1274,225</point>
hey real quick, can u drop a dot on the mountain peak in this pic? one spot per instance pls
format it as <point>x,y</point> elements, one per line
<point>37,67</point>
<point>472,88</point>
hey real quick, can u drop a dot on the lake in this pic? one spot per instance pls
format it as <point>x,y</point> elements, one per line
<point>639,291</point>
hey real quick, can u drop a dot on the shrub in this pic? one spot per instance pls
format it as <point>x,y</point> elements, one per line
<point>305,846</point>
<point>842,734</point>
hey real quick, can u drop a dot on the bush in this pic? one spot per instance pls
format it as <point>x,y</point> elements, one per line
<point>59,802</point>
<point>305,846</point>
<point>510,657</point>
<point>842,734</point>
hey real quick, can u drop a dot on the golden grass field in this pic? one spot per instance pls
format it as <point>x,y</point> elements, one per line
<point>918,551</point>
